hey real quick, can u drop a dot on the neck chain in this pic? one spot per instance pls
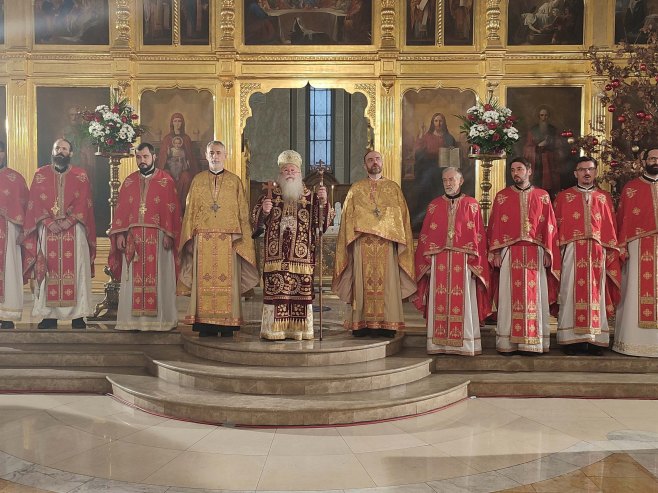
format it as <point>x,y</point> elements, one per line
<point>215,189</point>
<point>373,197</point>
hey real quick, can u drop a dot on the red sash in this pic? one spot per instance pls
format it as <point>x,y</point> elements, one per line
<point>449,301</point>
<point>647,273</point>
<point>142,251</point>
<point>525,262</point>
<point>60,265</point>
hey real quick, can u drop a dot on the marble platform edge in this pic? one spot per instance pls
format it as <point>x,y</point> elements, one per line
<point>237,353</point>
<point>204,413</point>
<point>90,335</point>
<point>98,358</point>
<point>277,384</point>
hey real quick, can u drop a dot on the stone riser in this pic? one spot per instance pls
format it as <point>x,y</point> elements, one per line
<point>69,359</point>
<point>596,390</point>
<point>274,385</point>
<point>96,385</point>
<point>234,354</point>
<point>88,336</point>
<point>292,417</point>
<point>487,337</point>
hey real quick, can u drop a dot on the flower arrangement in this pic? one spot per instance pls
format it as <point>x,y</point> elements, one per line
<point>489,128</point>
<point>113,129</point>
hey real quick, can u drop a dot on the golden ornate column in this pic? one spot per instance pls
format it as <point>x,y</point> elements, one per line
<point>493,23</point>
<point>387,142</point>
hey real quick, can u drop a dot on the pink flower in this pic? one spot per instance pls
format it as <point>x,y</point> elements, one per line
<point>495,137</point>
<point>488,107</point>
<point>492,125</point>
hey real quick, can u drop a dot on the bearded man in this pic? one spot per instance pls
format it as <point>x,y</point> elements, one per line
<point>636,328</point>
<point>60,240</point>
<point>292,218</point>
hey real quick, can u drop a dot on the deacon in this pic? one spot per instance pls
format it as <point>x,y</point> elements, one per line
<point>60,240</point>
<point>590,262</point>
<point>143,242</point>
<point>218,260</point>
<point>292,217</point>
<point>452,271</point>
<point>522,235</point>
<point>13,202</point>
<point>374,269</point>
<point>636,323</point>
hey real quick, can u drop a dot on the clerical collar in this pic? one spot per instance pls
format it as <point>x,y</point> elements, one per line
<point>216,172</point>
<point>147,172</point>
<point>522,189</point>
<point>453,197</point>
<point>648,178</point>
<point>585,189</point>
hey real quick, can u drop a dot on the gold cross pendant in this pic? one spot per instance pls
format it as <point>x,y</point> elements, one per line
<point>377,211</point>
<point>215,207</point>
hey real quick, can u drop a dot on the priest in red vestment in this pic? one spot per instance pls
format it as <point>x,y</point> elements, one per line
<point>291,218</point>
<point>636,323</point>
<point>143,241</point>
<point>522,236</point>
<point>13,202</point>
<point>452,271</point>
<point>591,274</point>
<point>60,240</point>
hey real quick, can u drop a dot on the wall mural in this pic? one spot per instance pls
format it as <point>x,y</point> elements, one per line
<point>544,112</point>
<point>307,22</point>
<point>545,22</point>
<point>431,140</point>
<point>60,22</point>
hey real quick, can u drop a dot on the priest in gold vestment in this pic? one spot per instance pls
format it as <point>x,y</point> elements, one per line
<point>218,259</point>
<point>374,268</point>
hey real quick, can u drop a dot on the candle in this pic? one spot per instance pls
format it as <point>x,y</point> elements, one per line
<point>331,201</point>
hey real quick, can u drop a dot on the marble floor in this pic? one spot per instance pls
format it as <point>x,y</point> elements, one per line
<point>92,443</point>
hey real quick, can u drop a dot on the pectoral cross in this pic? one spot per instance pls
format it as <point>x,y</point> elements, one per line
<point>268,187</point>
<point>377,212</point>
<point>55,209</point>
<point>215,207</point>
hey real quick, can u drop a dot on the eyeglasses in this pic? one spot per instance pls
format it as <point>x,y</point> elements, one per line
<point>582,170</point>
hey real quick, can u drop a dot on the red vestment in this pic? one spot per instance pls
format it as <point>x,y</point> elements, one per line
<point>520,219</point>
<point>452,228</point>
<point>64,198</point>
<point>145,207</point>
<point>587,220</point>
<point>13,203</point>
<point>637,218</point>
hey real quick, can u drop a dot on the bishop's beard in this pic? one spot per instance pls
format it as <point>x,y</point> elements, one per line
<point>291,190</point>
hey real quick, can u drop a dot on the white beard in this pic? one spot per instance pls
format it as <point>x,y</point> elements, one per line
<point>291,191</point>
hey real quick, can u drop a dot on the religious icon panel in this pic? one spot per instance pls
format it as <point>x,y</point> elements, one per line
<point>84,22</point>
<point>59,115</point>
<point>631,17</point>
<point>431,140</point>
<point>307,22</point>
<point>544,112</point>
<point>179,124</point>
<point>158,22</point>
<point>2,22</point>
<point>545,22</point>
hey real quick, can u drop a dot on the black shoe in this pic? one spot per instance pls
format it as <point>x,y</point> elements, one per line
<point>207,333</point>
<point>509,353</point>
<point>361,332</point>
<point>226,333</point>
<point>47,323</point>
<point>594,350</point>
<point>570,349</point>
<point>78,323</point>
<point>6,324</point>
<point>388,333</point>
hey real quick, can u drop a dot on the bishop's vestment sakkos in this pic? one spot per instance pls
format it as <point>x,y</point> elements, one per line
<point>374,268</point>
<point>148,210</point>
<point>62,263</point>
<point>591,274</point>
<point>13,203</point>
<point>636,323</point>
<point>453,275</point>
<point>290,240</point>
<point>223,263</point>
<point>522,228</point>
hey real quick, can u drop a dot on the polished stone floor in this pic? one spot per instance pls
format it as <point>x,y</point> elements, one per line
<point>74,443</point>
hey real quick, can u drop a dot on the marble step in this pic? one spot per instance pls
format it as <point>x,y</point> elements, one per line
<point>554,361</point>
<point>70,355</point>
<point>93,334</point>
<point>562,384</point>
<point>418,338</point>
<point>202,374</point>
<point>338,348</point>
<point>73,379</point>
<point>164,398</point>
